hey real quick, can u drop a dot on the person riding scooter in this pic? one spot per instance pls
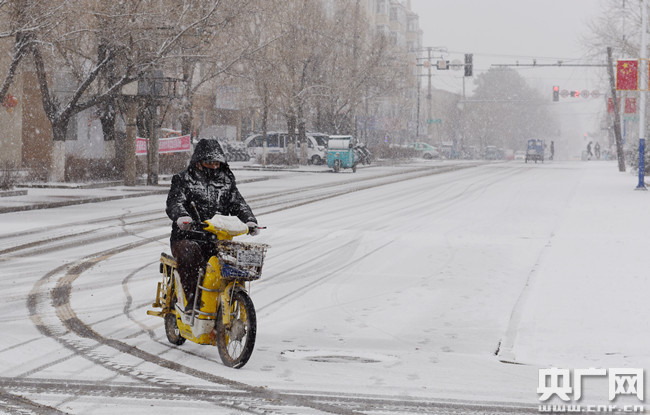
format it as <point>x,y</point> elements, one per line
<point>206,188</point>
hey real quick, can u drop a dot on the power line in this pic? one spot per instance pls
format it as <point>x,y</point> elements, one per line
<point>557,64</point>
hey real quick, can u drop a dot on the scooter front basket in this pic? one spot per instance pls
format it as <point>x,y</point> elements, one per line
<point>241,260</point>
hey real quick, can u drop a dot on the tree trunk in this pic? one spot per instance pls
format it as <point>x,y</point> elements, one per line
<point>57,158</point>
<point>187,100</point>
<point>291,137</point>
<point>302,136</point>
<point>107,118</point>
<point>186,118</point>
<point>265,118</point>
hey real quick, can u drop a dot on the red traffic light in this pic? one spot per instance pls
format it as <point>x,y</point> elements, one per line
<point>556,93</point>
<point>556,89</point>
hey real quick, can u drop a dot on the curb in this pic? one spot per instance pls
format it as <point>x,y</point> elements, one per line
<point>9,193</point>
<point>48,205</point>
<point>163,189</point>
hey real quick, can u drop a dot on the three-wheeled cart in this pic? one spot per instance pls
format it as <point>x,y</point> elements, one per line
<point>535,150</point>
<point>341,153</point>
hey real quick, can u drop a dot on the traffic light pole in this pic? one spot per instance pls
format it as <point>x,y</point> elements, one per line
<point>642,93</point>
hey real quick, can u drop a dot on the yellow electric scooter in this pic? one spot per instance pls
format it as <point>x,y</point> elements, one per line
<point>223,313</point>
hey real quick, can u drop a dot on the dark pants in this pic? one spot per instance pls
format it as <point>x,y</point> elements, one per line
<point>191,257</point>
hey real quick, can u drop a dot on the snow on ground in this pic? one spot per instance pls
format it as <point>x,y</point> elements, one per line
<point>409,289</point>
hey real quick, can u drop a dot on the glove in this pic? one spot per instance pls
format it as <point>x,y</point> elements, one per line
<point>252,228</point>
<point>184,223</point>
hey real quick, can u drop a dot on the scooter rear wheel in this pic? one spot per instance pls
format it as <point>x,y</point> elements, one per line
<point>172,331</point>
<point>236,343</point>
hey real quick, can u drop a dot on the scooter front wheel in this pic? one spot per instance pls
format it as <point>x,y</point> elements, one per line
<point>236,342</point>
<point>172,331</point>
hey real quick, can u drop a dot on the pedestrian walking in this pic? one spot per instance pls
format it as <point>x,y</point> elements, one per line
<point>552,150</point>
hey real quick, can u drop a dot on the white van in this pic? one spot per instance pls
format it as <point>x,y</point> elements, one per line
<point>276,142</point>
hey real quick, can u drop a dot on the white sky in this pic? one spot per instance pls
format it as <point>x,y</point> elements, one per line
<point>507,31</point>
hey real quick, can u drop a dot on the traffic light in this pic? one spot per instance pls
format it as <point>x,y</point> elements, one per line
<point>556,93</point>
<point>468,64</point>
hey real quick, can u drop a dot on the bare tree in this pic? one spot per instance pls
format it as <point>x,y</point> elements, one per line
<point>97,47</point>
<point>266,35</point>
<point>505,110</point>
<point>362,66</point>
<point>321,65</point>
<point>616,33</point>
<point>25,19</point>
<point>216,49</point>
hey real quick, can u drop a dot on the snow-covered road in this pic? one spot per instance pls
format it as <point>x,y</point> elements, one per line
<point>398,292</point>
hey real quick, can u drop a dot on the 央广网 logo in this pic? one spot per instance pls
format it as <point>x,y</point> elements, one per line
<point>560,382</point>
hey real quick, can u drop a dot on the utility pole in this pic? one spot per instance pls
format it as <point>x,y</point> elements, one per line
<point>152,151</point>
<point>130,146</point>
<point>427,63</point>
<point>417,124</point>
<point>130,96</point>
<point>617,118</point>
<point>642,91</point>
<point>429,116</point>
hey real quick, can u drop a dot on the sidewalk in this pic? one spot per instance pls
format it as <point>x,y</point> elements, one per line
<point>30,196</point>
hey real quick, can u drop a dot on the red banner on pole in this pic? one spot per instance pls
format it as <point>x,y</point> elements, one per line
<point>627,75</point>
<point>630,105</point>
<point>610,105</point>
<point>165,145</point>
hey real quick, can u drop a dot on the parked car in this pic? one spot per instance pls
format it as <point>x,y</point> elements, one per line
<point>520,155</point>
<point>493,153</point>
<point>277,142</point>
<point>426,151</point>
<point>470,153</point>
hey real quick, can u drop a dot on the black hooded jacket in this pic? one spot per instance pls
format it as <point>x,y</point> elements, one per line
<point>213,192</point>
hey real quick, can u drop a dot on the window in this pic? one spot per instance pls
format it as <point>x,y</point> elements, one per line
<point>273,140</point>
<point>381,6</point>
<point>283,140</point>
<point>321,140</point>
<point>413,24</point>
<point>255,142</point>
